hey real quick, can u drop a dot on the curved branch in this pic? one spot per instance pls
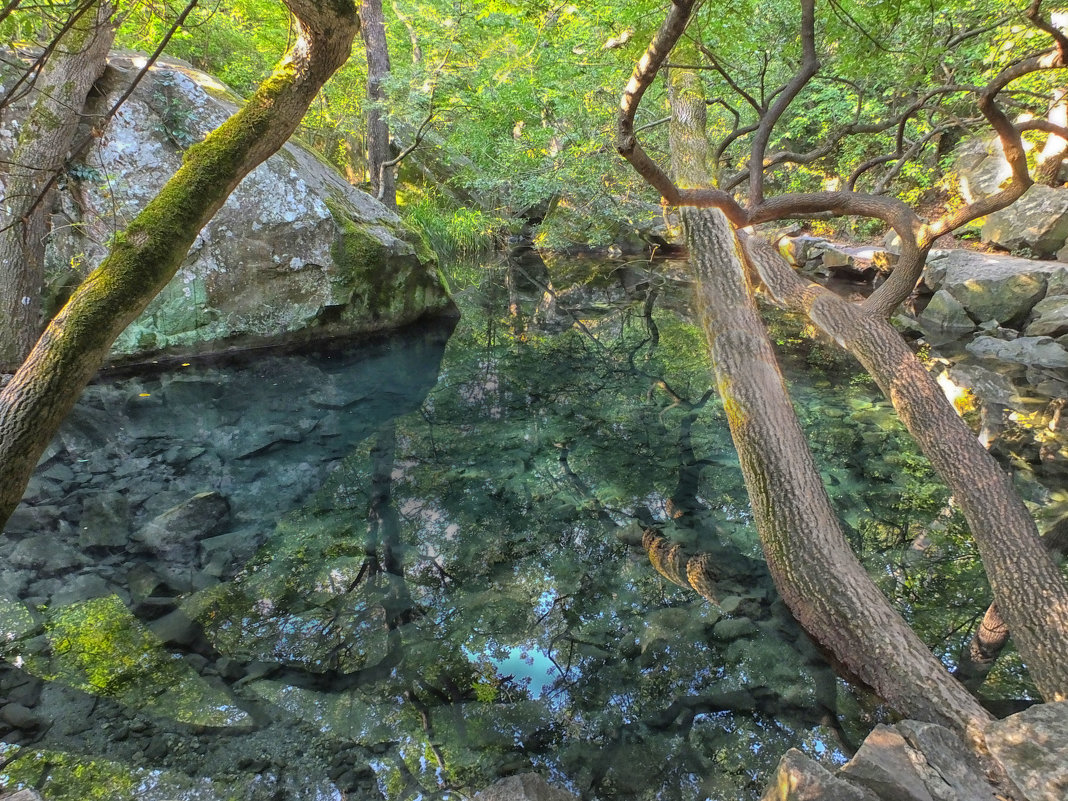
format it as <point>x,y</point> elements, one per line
<point>809,66</point>
<point>627,143</point>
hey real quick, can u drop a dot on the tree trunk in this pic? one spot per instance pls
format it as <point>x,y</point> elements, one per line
<point>1029,590</point>
<point>814,569</point>
<point>373,30</point>
<point>147,254</point>
<point>993,633</point>
<point>45,138</point>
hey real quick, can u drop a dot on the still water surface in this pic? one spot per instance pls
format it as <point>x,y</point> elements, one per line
<point>418,567</point>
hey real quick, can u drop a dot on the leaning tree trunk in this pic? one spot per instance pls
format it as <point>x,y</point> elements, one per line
<point>147,254</point>
<point>44,139</point>
<point>373,30</point>
<point>814,569</point>
<point>1030,592</point>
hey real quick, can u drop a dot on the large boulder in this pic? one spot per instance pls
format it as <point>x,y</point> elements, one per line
<point>1036,224</point>
<point>295,253</point>
<point>990,287</point>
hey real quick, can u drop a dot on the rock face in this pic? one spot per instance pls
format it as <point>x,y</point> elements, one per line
<point>913,761</point>
<point>295,253</point>
<point>1036,224</point>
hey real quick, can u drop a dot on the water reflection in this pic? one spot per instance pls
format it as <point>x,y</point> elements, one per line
<point>374,577</point>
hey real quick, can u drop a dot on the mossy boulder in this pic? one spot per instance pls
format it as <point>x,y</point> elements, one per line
<point>296,253</point>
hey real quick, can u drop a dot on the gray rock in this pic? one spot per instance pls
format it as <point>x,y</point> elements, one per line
<point>1050,317</point>
<point>1005,299</point>
<point>174,533</point>
<point>20,717</point>
<point>1033,749</point>
<point>948,769</point>
<point>295,252</point>
<point>1037,222</point>
<point>1062,254</point>
<point>990,287</point>
<point>524,787</point>
<point>1028,351</point>
<point>799,778</point>
<point>884,764</point>
<point>798,249</point>
<point>946,314</point>
<point>105,521</point>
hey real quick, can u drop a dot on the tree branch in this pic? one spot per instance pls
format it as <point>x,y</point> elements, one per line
<point>809,66</point>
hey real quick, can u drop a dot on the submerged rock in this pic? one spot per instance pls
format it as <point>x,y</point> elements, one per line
<point>174,533</point>
<point>524,787</point>
<point>295,253</point>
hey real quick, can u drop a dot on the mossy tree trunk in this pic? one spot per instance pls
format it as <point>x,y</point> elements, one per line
<point>814,569</point>
<point>147,254</point>
<point>45,138</point>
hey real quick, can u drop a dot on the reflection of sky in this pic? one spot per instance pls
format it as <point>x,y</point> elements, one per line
<point>528,667</point>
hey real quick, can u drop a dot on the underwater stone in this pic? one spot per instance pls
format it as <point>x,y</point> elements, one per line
<point>524,787</point>
<point>734,628</point>
<point>174,533</point>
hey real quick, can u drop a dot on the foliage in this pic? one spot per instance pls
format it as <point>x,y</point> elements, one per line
<point>455,234</point>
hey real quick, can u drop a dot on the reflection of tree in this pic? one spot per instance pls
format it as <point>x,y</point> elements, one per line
<point>463,598</point>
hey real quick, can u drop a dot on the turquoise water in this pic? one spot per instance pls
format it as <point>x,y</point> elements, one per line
<point>422,569</point>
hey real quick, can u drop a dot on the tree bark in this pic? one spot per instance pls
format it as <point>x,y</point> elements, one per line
<point>814,569</point>
<point>373,31</point>
<point>147,254</point>
<point>993,633</point>
<point>45,138</point>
